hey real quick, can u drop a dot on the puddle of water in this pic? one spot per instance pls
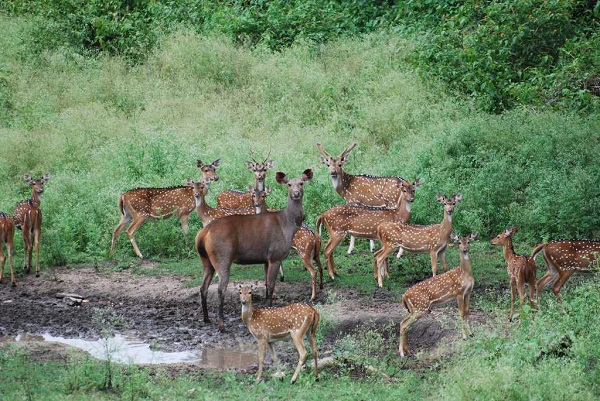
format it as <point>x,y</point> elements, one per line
<point>128,350</point>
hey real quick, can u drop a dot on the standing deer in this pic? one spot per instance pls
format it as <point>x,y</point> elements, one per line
<point>28,218</point>
<point>233,199</point>
<point>307,245</point>
<point>433,239</point>
<point>563,258</point>
<point>7,235</point>
<point>456,283</point>
<point>274,324</point>
<point>363,189</point>
<point>140,204</point>
<point>250,239</point>
<point>362,221</point>
<point>521,269</point>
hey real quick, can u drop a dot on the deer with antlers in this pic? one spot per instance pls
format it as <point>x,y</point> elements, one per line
<point>455,284</point>
<point>360,189</point>
<point>432,238</point>
<point>268,325</point>
<point>233,199</point>
<point>362,221</point>
<point>563,258</point>
<point>7,235</point>
<point>140,204</point>
<point>27,217</point>
<point>521,269</point>
<point>264,238</point>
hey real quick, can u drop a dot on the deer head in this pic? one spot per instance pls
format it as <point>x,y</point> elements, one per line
<point>334,165</point>
<point>449,203</point>
<point>37,184</point>
<point>208,170</point>
<point>502,238</point>
<point>295,185</point>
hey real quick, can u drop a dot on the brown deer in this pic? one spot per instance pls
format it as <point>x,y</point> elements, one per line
<point>7,235</point>
<point>362,221</point>
<point>454,284</point>
<point>521,269</point>
<point>563,258</point>
<point>307,245</point>
<point>362,189</point>
<point>233,199</point>
<point>28,218</point>
<point>140,204</point>
<point>264,238</point>
<point>274,324</point>
<point>432,238</point>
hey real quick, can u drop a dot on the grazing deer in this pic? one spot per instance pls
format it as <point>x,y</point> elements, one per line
<point>362,221</point>
<point>7,235</point>
<point>362,189</point>
<point>521,269</point>
<point>233,199</point>
<point>274,324</point>
<point>250,239</point>
<point>563,258</point>
<point>432,238</point>
<point>140,204</point>
<point>456,283</point>
<point>28,218</point>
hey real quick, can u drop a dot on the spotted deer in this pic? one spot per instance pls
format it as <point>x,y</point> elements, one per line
<point>362,221</point>
<point>264,238</point>
<point>27,217</point>
<point>268,325</point>
<point>521,269</point>
<point>234,199</point>
<point>7,235</point>
<point>432,238</point>
<point>360,189</point>
<point>563,258</point>
<point>140,204</point>
<point>307,245</point>
<point>455,284</point>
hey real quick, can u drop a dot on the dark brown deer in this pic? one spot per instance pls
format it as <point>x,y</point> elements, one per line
<point>264,238</point>
<point>140,204</point>
<point>361,189</point>
<point>455,284</point>
<point>7,235</point>
<point>563,258</point>
<point>521,269</point>
<point>233,199</point>
<point>28,218</point>
<point>274,324</point>
<point>432,238</point>
<point>362,221</point>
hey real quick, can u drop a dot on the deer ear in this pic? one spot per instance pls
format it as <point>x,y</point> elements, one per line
<point>457,197</point>
<point>473,235</point>
<point>508,232</point>
<point>307,175</point>
<point>440,198</point>
<point>417,182</point>
<point>199,163</point>
<point>269,165</point>
<point>216,163</point>
<point>267,190</point>
<point>189,182</point>
<point>324,160</point>
<point>454,237</point>
<point>28,178</point>
<point>281,178</point>
<point>250,188</point>
<point>46,177</point>
<point>250,165</point>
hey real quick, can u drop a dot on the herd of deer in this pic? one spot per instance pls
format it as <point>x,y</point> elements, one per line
<point>242,230</point>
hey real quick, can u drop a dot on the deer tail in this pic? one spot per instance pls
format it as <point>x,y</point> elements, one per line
<point>315,323</point>
<point>121,204</point>
<point>537,250</point>
<point>319,224</point>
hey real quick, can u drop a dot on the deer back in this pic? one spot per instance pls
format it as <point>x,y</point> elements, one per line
<point>572,254</point>
<point>234,199</point>
<point>159,202</point>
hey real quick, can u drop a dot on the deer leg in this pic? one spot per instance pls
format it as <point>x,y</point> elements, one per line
<point>433,255</point>
<point>208,272</point>
<point>36,239</point>
<point>27,246</point>
<point>262,351</point>
<point>512,299</point>
<point>186,228</point>
<point>272,271</point>
<point>405,326</point>
<point>313,275</point>
<point>371,245</point>
<point>317,260</point>
<point>130,231</point>
<point>299,343</point>
<point>442,255</point>
<point>2,259</point>
<point>125,219</point>
<point>562,279</point>
<point>279,374</point>
<point>10,251</point>
<point>313,345</point>
<point>467,305</point>
<point>334,241</point>
<point>381,264</point>
<point>533,293</point>
<point>281,274</point>
<point>351,246</point>
<point>223,282</point>
<point>464,313</point>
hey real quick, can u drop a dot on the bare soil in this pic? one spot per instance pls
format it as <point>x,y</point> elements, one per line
<point>166,312</point>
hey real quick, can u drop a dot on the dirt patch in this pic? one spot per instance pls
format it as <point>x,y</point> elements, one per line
<point>166,312</point>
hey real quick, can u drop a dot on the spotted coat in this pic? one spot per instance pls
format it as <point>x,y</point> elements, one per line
<point>7,234</point>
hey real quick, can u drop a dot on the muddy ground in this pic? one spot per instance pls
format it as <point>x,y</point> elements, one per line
<point>166,312</point>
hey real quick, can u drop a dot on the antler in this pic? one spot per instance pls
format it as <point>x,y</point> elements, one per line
<point>322,150</point>
<point>347,150</point>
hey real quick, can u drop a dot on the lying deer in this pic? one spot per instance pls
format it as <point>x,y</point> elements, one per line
<point>140,204</point>
<point>7,235</point>
<point>521,269</point>
<point>454,284</point>
<point>361,221</point>
<point>264,238</point>
<point>274,324</point>
<point>563,258</point>
<point>233,199</point>
<point>361,189</point>
<point>27,217</point>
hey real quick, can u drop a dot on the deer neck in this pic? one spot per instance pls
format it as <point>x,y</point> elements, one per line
<point>403,209</point>
<point>247,312</point>
<point>465,264</point>
<point>446,226</point>
<point>293,212</point>
<point>508,250</point>
<point>36,198</point>
<point>259,185</point>
<point>341,183</point>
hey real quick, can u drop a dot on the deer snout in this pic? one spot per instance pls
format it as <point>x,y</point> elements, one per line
<point>296,195</point>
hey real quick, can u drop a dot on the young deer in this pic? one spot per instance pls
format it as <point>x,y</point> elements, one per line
<point>140,204</point>
<point>264,238</point>
<point>432,239</point>
<point>361,189</point>
<point>233,199</point>
<point>28,218</point>
<point>361,221</point>
<point>7,235</point>
<point>454,284</point>
<point>563,258</point>
<point>274,324</point>
<point>521,269</point>
<point>307,245</point>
